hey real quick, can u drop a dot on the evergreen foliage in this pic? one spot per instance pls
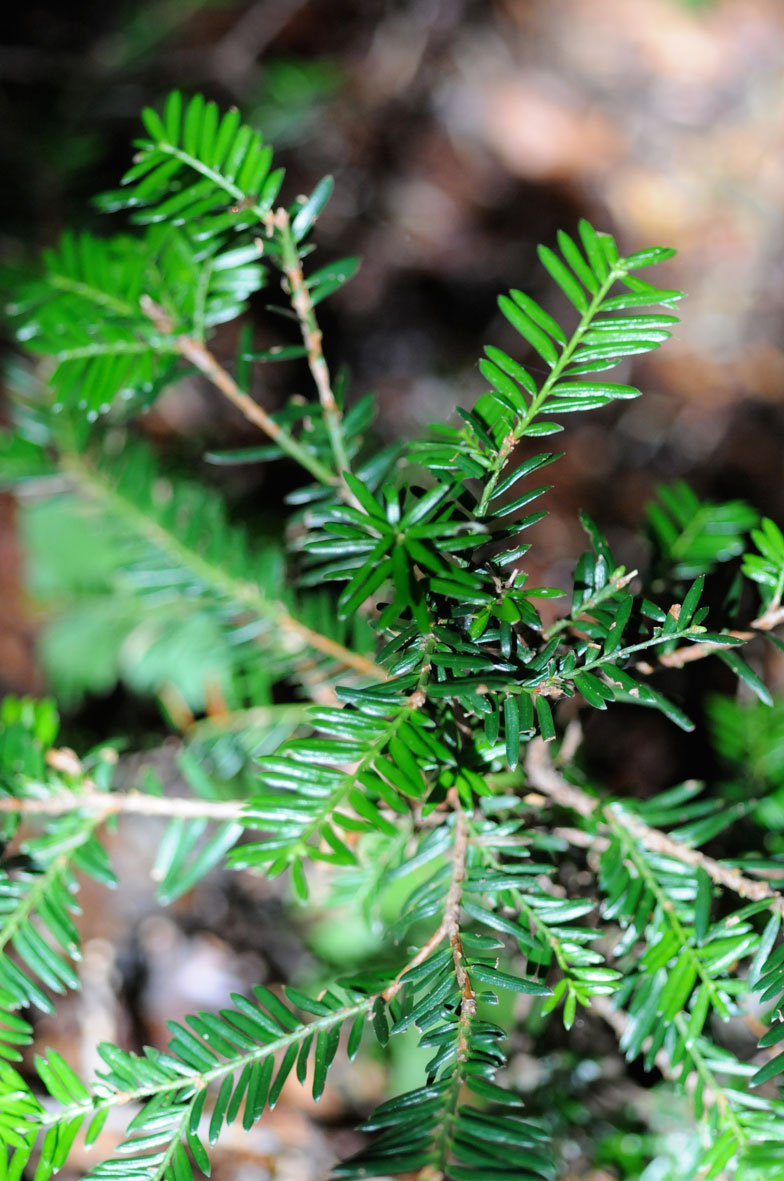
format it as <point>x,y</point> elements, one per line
<point>433,752</point>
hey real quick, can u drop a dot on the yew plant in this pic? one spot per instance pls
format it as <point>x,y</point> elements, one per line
<point>397,710</point>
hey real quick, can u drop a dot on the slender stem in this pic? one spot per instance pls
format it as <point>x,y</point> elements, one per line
<point>706,1073</point>
<point>177,1133</point>
<point>542,775</point>
<point>201,1079</point>
<point>311,334</point>
<point>618,580</point>
<point>339,652</point>
<point>536,921</point>
<point>199,355</point>
<point>618,1021</point>
<point>195,352</point>
<point>681,656</point>
<point>724,875</point>
<point>628,830</point>
<point>138,803</point>
<point>330,803</point>
<point>449,927</point>
<point>445,1135</point>
<point>619,654</point>
<point>87,291</point>
<point>772,617</point>
<point>264,716</point>
<point>538,401</point>
<point>419,696</point>
<point>551,687</point>
<point>626,838</point>
<point>467,1011</point>
<point>452,919</point>
<point>302,304</point>
<point>108,1097</point>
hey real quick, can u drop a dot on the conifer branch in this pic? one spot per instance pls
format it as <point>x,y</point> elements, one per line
<point>302,304</point>
<point>617,581</point>
<point>452,921</point>
<point>43,887</point>
<point>772,617</point>
<point>321,643</point>
<point>618,1021</point>
<point>691,652</point>
<point>200,356</point>
<point>201,1079</point>
<point>105,804</point>
<point>243,719</point>
<point>537,403</point>
<point>449,927</point>
<point>388,783</point>
<point>542,775</point>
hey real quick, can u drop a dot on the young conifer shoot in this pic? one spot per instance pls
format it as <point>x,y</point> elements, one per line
<point>403,725</point>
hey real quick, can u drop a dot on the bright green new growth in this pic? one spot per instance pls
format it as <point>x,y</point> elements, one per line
<point>434,718</point>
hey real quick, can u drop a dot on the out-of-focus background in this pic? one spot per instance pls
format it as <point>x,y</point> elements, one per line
<point>461,133</point>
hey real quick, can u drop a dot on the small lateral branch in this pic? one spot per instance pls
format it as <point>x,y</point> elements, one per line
<point>452,916</point>
<point>131,802</point>
<point>298,292</point>
<point>543,776</point>
<point>770,618</point>
<point>201,357</point>
<point>692,652</point>
<point>449,927</point>
<point>322,643</point>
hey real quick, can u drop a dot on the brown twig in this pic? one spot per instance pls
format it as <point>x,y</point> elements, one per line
<point>199,355</point>
<point>322,643</point>
<point>418,698</point>
<point>770,618</point>
<point>264,716</point>
<point>690,652</point>
<point>132,802</point>
<point>302,304</point>
<point>543,776</point>
<point>579,839</point>
<point>298,292</point>
<point>449,927</point>
<point>452,924</point>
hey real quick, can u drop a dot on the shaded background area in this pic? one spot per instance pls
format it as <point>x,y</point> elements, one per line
<point>460,135</point>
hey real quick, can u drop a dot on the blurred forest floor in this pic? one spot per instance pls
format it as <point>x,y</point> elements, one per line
<point>460,135</point>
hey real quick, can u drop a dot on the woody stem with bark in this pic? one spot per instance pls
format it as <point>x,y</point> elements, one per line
<point>542,775</point>
<point>199,355</point>
<point>301,302</point>
<point>137,803</point>
<point>449,927</point>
